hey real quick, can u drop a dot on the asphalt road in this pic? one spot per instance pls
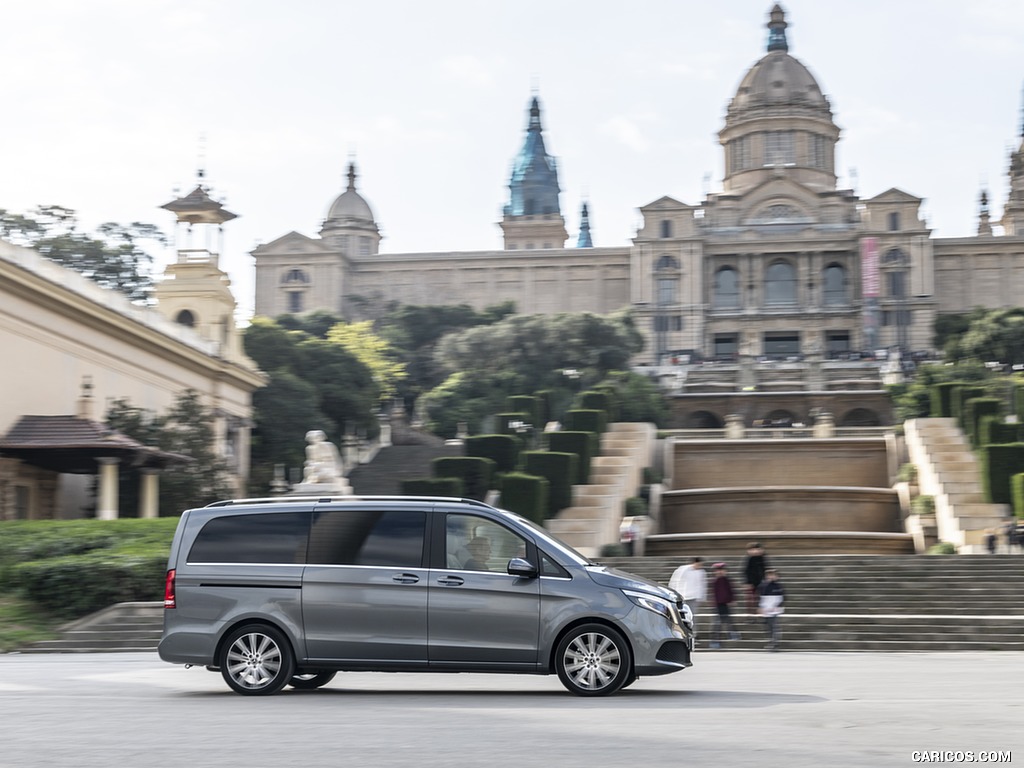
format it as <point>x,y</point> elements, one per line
<point>735,709</point>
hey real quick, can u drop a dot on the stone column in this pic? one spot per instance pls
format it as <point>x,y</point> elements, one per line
<point>106,508</point>
<point>824,424</point>
<point>734,426</point>
<point>149,492</point>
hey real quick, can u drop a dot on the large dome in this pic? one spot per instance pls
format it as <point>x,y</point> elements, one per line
<point>778,79</point>
<point>350,205</point>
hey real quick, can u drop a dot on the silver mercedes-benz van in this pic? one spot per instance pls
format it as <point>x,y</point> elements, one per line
<point>289,591</point>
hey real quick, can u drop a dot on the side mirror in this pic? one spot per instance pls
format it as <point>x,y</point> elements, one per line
<point>517,566</point>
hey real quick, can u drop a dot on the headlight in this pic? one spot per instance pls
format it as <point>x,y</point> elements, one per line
<point>687,615</point>
<point>657,604</point>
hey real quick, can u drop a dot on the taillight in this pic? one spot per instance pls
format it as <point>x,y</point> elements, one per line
<point>169,590</point>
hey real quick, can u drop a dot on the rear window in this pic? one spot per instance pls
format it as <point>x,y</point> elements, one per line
<point>276,538</point>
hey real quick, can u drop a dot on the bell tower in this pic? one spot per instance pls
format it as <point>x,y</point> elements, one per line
<point>1013,211</point>
<point>195,291</point>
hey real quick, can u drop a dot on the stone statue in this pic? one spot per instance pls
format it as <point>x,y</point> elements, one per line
<point>323,462</point>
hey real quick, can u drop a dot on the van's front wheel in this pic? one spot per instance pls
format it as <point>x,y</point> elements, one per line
<point>257,660</point>
<point>593,660</point>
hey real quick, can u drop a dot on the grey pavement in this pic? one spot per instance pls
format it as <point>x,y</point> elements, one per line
<point>735,709</point>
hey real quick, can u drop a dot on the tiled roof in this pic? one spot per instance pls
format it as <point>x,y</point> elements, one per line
<point>71,444</point>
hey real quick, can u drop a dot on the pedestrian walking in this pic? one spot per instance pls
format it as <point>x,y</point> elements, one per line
<point>990,541</point>
<point>691,581</point>
<point>771,607</point>
<point>721,590</point>
<point>754,567</point>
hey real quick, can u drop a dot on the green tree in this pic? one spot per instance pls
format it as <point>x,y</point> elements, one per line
<point>537,348</point>
<point>185,429</point>
<point>471,397</point>
<point>113,258</point>
<point>372,351</point>
<point>638,397</point>
<point>283,411</point>
<point>316,323</point>
<point>997,335</point>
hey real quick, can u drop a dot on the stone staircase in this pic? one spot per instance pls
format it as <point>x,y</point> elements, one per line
<point>394,463</point>
<point>121,627</point>
<point>947,469</point>
<point>615,475</point>
<point>833,603</point>
<point>875,602</point>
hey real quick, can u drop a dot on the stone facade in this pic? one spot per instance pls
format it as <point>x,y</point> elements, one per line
<point>780,262</point>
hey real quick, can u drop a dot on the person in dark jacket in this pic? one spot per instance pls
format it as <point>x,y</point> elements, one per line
<point>754,567</point>
<point>770,606</point>
<point>722,591</point>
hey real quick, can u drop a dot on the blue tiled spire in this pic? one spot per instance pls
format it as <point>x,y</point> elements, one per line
<point>584,239</point>
<point>777,30</point>
<point>534,184</point>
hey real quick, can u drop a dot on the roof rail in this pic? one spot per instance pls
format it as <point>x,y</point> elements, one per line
<point>333,499</point>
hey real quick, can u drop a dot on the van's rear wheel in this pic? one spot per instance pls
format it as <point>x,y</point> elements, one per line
<point>593,660</point>
<point>307,681</point>
<point>257,660</point>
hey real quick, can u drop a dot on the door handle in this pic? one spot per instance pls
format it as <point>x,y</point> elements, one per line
<point>406,578</point>
<point>451,581</point>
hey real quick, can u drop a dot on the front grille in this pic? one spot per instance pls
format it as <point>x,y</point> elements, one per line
<point>674,652</point>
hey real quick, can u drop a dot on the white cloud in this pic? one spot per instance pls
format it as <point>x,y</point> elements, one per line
<point>468,70</point>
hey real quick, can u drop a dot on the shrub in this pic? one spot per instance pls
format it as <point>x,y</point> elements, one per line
<point>960,395</point>
<point>1017,492</point>
<point>614,550</point>
<point>923,505</point>
<point>594,400</point>
<point>652,476</point>
<point>586,420</point>
<point>559,469</point>
<point>474,472</point>
<point>73,586</point>
<point>907,474</point>
<point>503,450</point>
<point>583,444</point>
<point>526,495</point>
<point>942,548</point>
<point>998,464</point>
<point>635,507</point>
<point>942,399</point>
<point>974,410</point>
<point>432,486</point>
<point>528,405</point>
<point>993,430</point>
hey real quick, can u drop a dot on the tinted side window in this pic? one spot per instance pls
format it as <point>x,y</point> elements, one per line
<point>549,567</point>
<point>368,537</point>
<point>277,537</point>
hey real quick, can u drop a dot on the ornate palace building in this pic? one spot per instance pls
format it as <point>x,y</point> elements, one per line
<point>779,262</point>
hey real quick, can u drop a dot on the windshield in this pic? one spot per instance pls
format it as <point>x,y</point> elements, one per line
<point>554,545</point>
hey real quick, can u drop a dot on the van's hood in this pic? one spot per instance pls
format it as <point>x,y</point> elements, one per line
<point>613,577</point>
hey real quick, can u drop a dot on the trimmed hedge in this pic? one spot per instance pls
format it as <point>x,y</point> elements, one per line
<point>77,585</point>
<point>505,419</point>
<point>526,495</point>
<point>475,473</point>
<point>583,444</point>
<point>433,486</point>
<point>586,420</point>
<point>529,405</point>
<point>998,464</point>
<point>942,399</point>
<point>974,410</point>
<point>992,430</point>
<point>545,398</point>
<point>961,394</point>
<point>503,450</point>
<point>1017,492</point>
<point>559,469</point>
<point>593,400</point>
<point>1018,402</point>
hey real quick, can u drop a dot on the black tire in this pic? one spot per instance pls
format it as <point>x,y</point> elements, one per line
<point>307,681</point>
<point>257,660</point>
<point>593,660</point>
<point>629,681</point>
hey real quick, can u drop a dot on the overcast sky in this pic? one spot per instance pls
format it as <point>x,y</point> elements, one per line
<point>106,101</point>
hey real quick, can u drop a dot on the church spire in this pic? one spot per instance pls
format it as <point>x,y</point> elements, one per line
<point>777,30</point>
<point>984,225</point>
<point>352,175</point>
<point>534,183</point>
<point>584,240</point>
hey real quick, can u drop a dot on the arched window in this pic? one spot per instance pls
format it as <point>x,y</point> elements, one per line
<point>666,262</point>
<point>186,318</point>
<point>295,277</point>
<point>834,285</point>
<point>780,283</point>
<point>726,289</point>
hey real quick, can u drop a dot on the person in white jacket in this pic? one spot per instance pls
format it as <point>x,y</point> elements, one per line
<point>691,581</point>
